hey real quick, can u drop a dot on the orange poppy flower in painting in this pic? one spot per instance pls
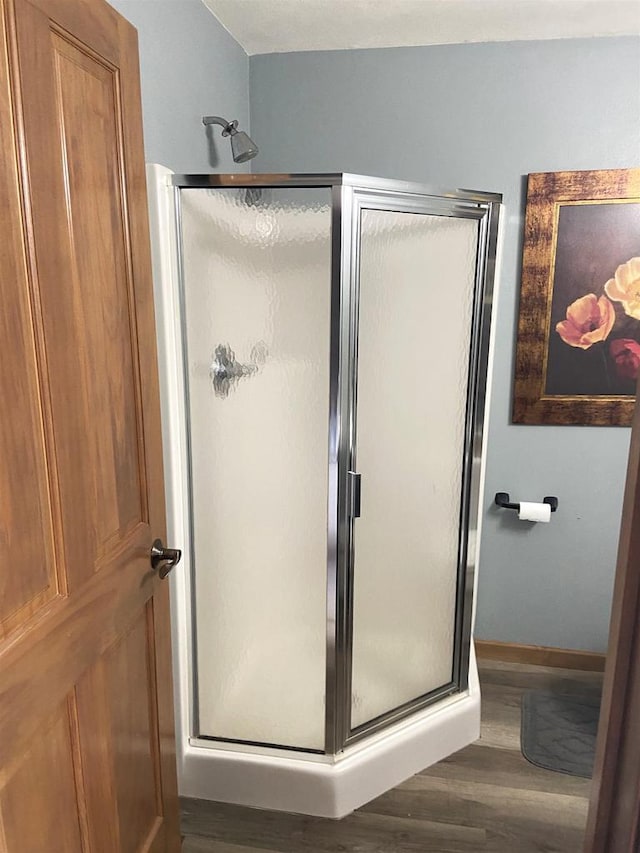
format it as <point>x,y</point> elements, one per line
<point>589,320</point>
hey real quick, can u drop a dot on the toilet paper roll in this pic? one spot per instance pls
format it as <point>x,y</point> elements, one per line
<point>530,511</point>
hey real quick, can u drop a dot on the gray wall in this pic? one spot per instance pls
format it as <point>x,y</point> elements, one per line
<point>483,116</point>
<point>190,67</point>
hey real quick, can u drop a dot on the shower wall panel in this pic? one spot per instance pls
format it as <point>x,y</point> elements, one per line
<point>256,271</point>
<point>417,276</point>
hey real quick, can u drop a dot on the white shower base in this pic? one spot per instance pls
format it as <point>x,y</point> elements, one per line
<point>333,786</point>
<point>326,786</point>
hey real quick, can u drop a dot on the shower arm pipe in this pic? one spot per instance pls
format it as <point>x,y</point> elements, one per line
<point>228,127</point>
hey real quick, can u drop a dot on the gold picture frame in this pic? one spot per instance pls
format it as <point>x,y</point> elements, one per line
<point>578,348</point>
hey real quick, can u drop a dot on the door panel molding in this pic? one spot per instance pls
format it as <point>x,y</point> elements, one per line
<point>23,337</point>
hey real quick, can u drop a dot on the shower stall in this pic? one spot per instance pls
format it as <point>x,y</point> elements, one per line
<point>324,346</point>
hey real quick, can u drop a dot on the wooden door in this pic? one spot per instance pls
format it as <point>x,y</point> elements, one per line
<point>87,757</point>
<point>613,825</point>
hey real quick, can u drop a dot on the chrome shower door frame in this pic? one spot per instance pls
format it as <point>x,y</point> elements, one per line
<point>366,194</point>
<point>332,182</point>
<point>350,194</point>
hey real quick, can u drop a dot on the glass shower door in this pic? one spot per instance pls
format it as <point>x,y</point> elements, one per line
<point>256,317</point>
<point>414,331</point>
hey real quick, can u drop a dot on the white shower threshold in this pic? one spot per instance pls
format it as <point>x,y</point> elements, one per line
<point>333,786</point>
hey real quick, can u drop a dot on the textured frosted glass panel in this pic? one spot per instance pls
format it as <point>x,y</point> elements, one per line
<point>416,296</point>
<point>257,280</point>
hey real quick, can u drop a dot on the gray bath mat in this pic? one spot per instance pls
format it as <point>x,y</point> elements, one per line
<point>559,731</point>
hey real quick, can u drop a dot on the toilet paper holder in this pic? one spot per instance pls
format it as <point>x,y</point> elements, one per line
<point>502,500</point>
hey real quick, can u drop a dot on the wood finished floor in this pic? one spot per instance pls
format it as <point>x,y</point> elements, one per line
<point>484,799</point>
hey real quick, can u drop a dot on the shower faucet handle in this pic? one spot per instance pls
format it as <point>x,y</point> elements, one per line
<point>226,370</point>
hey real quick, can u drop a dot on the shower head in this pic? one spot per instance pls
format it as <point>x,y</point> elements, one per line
<point>243,148</point>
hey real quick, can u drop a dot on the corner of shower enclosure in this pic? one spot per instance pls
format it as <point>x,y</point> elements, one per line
<point>334,432</point>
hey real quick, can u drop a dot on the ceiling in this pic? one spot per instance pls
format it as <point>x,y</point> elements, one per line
<point>281,26</point>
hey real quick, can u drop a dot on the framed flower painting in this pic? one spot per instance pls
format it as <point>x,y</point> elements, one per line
<point>578,352</point>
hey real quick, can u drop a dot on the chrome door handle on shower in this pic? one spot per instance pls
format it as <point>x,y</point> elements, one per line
<point>226,371</point>
<point>355,494</point>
